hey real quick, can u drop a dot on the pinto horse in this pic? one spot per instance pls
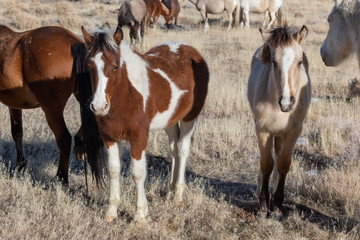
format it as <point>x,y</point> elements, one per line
<point>133,94</point>
<point>37,71</point>
<point>155,8</point>
<point>279,94</point>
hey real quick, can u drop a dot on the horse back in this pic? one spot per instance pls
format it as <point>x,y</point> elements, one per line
<point>37,67</point>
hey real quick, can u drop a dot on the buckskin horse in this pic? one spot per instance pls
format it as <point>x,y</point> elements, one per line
<point>37,71</point>
<point>279,94</point>
<point>135,93</point>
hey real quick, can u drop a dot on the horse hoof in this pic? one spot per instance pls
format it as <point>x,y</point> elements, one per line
<point>80,154</point>
<point>109,219</point>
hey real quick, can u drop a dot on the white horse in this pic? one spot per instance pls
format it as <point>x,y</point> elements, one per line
<point>343,37</point>
<point>216,7</point>
<point>268,7</point>
<point>279,94</point>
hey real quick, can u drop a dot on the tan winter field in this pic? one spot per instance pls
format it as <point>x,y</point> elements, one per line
<point>322,191</point>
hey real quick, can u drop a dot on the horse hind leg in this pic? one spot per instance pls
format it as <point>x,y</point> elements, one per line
<point>230,16</point>
<point>17,135</point>
<point>173,133</point>
<point>63,140</point>
<point>184,143</point>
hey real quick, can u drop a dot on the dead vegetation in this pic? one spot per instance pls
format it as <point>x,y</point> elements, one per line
<point>322,193</point>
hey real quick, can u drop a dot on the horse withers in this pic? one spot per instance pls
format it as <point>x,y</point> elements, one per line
<point>132,13</point>
<point>279,94</point>
<point>135,93</point>
<point>343,36</point>
<point>37,70</point>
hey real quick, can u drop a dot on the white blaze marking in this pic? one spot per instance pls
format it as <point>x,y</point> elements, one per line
<point>100,97</point>
<point>136,69</point>
<point>287,60</point>
<point>161,120</point>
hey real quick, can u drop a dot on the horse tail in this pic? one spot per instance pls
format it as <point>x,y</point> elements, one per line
<point>201,78</point>
<point>93,143</point>
<point>237,14</point>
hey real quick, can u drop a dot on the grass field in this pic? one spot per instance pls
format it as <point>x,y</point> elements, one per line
<point>322,192</point>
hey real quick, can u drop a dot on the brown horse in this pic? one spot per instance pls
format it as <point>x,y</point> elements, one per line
<point>155,8</point>
<point>37,71</point>
<point>133,94</point>
<point>174,9</point>
<point>279,94</point>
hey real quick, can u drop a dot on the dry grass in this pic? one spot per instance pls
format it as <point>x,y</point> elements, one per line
<point>322,192</point>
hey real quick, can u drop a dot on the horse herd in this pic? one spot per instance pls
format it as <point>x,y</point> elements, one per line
<point>135,13</point>
<point>124,94</point>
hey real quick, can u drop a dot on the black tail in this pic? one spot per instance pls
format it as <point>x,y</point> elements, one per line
<point>93,142</point>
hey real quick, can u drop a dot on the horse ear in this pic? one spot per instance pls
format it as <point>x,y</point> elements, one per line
<point>301,35</point>
<point>118,35</point>
<point>266,54</point>
<point>264,34</point>
<point>87,36</point>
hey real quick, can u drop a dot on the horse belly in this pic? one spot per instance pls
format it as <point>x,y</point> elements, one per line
<point>21,98</point>
<point>214,7</point>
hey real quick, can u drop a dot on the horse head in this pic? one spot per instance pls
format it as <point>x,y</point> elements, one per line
<point>282,49</point>
<point>103,60</point>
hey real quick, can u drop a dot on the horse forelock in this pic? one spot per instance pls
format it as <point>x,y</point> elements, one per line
<point>102,42</point>
<point>281,36</point>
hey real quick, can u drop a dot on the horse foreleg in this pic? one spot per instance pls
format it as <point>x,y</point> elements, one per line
<point>63,140</point>
<point>272,19</point>
<point>204,16</point>
<point>17,135</point>
<point>230,20</point>
<point>282,168</point>
<point>173,133</point>
<point>246,18</point>
<point>138,171</point>
<point>265,142</point>
<point>266,15</point>
<point>114,168</point>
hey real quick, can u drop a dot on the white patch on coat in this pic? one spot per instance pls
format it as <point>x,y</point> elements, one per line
<point>160,120</point>
<point>287,60</point>
<point>136,70</point>
<point>174,46</point>
<point>153,54</point>
<point>99,99</point>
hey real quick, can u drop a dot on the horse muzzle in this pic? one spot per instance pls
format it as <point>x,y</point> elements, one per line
<point>286,105</point>
<point>100,109</point>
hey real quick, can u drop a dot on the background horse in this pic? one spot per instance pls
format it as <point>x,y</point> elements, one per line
<point>344,30</point>
<point>155,8</point>
<point>218,6</point>
<point>37,71</point>
<point>270,8</point>
<point>279,94</point>
<point>172,15</point>
<point>132,13</point>
<point>135,93</point>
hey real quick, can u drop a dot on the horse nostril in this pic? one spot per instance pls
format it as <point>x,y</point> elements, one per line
<point>279,100</point>
<point>292,100</point>
<point>92,107</point>
<point>106,106</point>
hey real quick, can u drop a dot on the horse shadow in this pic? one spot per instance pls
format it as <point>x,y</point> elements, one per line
<point>40,156</point>
<point>238,194</point>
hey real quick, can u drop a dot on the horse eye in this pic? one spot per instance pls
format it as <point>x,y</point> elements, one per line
<point>115,68</point>
<point>300,62</point>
